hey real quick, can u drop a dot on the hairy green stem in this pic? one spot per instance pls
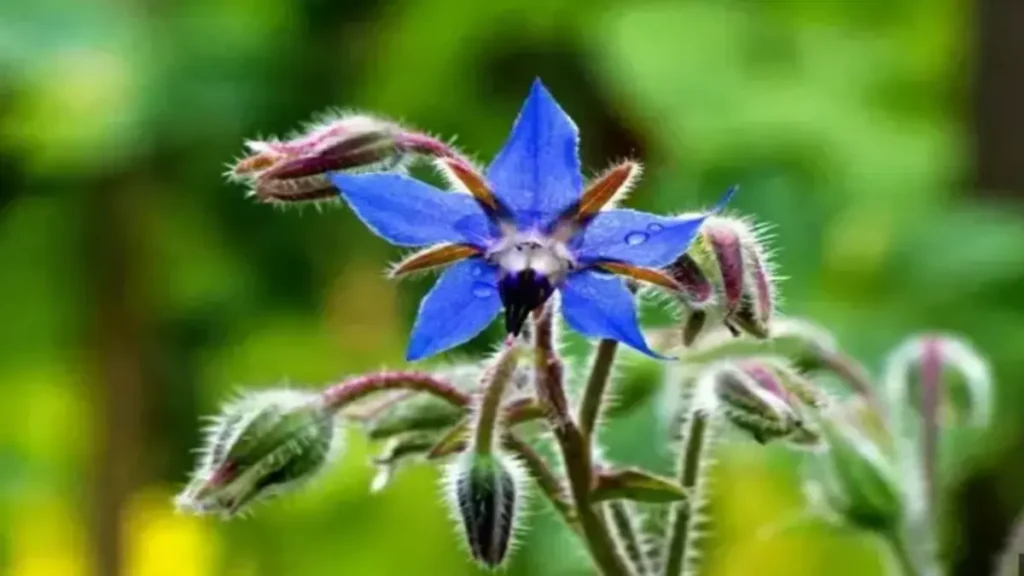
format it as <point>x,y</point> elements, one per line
<point>575,451</point>
<point>493,385</point>
<point>693,448</point>
<point>597,384</point>
<point>625,528</point>
<point>549,484</point>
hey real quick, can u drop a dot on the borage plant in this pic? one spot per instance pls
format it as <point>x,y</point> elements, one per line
<point>528,237</point>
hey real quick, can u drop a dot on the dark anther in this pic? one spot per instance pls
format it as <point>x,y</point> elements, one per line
<point>521,293</point>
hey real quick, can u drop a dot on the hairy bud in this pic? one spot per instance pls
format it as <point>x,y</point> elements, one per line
<point>485,491</point>
<point>943,375</point>
<point>297,169</point>
<point>726,274</point>
<point>749,405</point>
<point>859,482</point>
<point>766,398</point>
<point>260,445</point>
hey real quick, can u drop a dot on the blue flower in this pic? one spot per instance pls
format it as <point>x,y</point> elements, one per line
<point>522,231</point>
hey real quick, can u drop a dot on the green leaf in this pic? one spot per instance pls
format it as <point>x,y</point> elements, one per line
<point>635,484</point>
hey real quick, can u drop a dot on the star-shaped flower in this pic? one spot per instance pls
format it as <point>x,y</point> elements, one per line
<point>521,232</point>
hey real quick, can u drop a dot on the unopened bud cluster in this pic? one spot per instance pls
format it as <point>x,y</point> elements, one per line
<point>726,275</point>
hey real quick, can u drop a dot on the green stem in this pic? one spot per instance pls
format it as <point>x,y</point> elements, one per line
<point>495,380</point>
<point>625,528</point>
<point>575,451</point>
<point>541,473</point>
<point>689,471</point>
<point>597,384</point>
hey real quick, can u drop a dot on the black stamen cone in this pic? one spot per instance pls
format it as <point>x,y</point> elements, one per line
<point>521,293</point>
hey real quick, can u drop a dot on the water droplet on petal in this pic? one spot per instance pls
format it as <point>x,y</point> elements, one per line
<point>635,238</point>
<point>655,227</point>
<point>481,290</point>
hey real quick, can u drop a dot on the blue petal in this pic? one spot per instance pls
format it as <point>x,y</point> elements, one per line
<point>600,306</point>
<point>537,172</point>
<point>637,238</point>
<point>459,306</point>
<point>408,212</point>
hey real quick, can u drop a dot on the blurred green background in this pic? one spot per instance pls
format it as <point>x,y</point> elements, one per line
<point>139,289</point>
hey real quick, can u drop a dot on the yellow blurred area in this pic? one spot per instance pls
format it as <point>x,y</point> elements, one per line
<point>161,542</point>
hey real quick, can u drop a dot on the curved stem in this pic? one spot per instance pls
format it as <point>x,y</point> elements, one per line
<point>597,384</point>
<point>338,396</point>
<point>854,375</point>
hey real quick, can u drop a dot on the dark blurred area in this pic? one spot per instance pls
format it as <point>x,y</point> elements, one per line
<point>880,139</point>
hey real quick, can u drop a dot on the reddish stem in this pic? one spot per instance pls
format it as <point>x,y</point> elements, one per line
<point>358,387</point>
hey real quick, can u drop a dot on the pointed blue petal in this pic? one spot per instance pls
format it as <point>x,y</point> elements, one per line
<point>537,173</point>
<point>459,306</point>
<point>638,238</point>
<point>600,306</point>
<point>408,212</point>
<point>641,238</point>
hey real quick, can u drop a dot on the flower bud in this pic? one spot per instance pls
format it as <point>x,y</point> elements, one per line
<point>858,481</point>
<point>726,273</point>
<point>260,445</point>
<point>754,402</point>
<point>297,169</point>
<point>942,375</point>
<point>485,491</point>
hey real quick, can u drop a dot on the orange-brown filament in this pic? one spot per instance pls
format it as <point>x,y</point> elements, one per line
<point>433,257</point>
<point>472,180</point>
<point>649,275</point>
<point>604,188</point>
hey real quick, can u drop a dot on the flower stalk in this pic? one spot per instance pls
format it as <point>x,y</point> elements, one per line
<point>356,388</point>
<point>574,449</point>
<point>679,536</point>
<point>597,384</point>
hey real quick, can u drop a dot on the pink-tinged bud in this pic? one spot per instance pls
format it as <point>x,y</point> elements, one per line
<point>942,375</point>
<point>297,170</point>
<point>698,291</point>
<point>726,274</point>
<point>767,399</point>
<point>946,382</point>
